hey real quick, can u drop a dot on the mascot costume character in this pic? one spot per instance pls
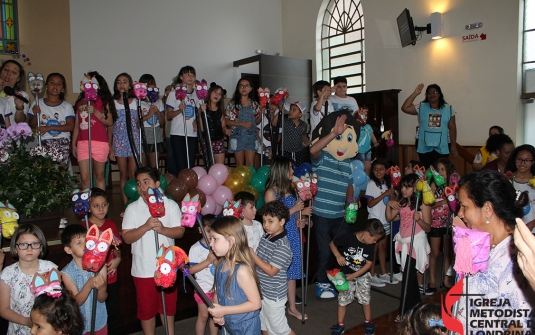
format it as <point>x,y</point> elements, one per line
<point>334,144</point>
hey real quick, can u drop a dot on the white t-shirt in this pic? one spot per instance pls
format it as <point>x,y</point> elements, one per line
<point>316,116</point>
<point>199,253</point>
<point>144,250</point>
<point>254,234</point>
<point>6,110</point>
<point>379,210</point>
<point>348,101</point>
<point>11,100</point>
<point>54,116</point>
<point>145,106</point>
<point>177,124</point>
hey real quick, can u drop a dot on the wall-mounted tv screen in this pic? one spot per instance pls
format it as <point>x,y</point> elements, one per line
<point>406,28</point>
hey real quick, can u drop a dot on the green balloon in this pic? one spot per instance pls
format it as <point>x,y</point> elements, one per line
<point>260,201</point>
<point>263,170</point>
<point>128,203</point>
<point>253,170</point>
<point>258,182</point>
<point>130,189</point>
<point>163,183</point>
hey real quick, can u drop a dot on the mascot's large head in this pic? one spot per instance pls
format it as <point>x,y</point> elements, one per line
<point>345,145</point>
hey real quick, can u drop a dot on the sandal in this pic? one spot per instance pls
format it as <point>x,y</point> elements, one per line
<point>297,316</point>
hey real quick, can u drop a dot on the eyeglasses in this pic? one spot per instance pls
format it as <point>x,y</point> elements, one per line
<point>433,93</point>
<point>24,246</point>
<point>525,161</point>
<point>244,86</point>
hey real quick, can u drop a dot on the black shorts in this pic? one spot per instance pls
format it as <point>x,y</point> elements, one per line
<point>437,232</point>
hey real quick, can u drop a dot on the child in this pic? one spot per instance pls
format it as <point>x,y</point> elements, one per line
<point>216,121</point>
<point>102,113</point>
<point>406,208</point>
<point>140,229</point>
<point>520,163</point>
<point>99,206</point>
<point>279,187</point>
<point>272,259</point>
<point>202,261</point>
<point>237,300</point>
<point>182,114</point>
<point>340,98</point>
<point>57,117</point>
<point>378,192</point>
<point>296,137</point>
<point>28,244</point>
<point>410,166</point>
<point>322,92</point>
<point>253,228</point>
<point>354,253</point>
<point>56,315</point>
<point>153,119</point>
<point>423,319</point>
<point>121,150</point>
<point>366,139</point>
<point>440,213</point>
<point>334,145</point>
<point>81,282</point>
<point>243,114</point>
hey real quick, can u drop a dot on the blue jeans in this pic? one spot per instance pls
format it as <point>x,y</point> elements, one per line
<point>326,230</point>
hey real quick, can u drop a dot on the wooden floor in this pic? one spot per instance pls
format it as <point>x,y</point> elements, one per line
<point>385,324</point>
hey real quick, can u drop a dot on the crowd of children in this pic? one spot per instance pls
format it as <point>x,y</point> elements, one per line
<point>247,268</point>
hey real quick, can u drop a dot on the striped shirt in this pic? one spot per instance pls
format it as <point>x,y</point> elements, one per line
<point>333,179</point>
<point>276,252</point>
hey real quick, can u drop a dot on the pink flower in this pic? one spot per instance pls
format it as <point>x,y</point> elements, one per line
<point>24,129</point>
<point>13,132</point>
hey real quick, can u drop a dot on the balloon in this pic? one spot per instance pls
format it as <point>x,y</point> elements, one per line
<point>130,189</point>
<point>207,184</point>
<point>253,170</point>
<point>189,177</point>
<point>209,207</point>
<point>260,201</point>
<point>202,196</point>
<point>219,172</point>
<point>364,184</point>
<point>527,209</point>
<point>359,177</point>
<point>356,191</point>
<point>222,194</point>
<point>229,169</point>
<point>298,171</point>
<point>177,189</point>
<point>245,172</point>
<point>258,182</point>
<point>307,167</point>
<point>168,177</point>
<point>252,190</point>
<point>235,182</point>
<point>128,203</point>
<point>218,209</point>
<point>200,171</point>
<point>358,165</point>
<point>163,183</point>
<point>263,170</point>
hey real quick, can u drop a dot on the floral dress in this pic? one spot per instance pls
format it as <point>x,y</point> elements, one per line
<point>121,144</point>
<point>294,271</point>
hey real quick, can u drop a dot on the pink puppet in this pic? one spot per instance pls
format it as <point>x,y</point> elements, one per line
<point>191,207</point>
<point>48,283</point>
<point>181,92</point>
<point>303,187</point>
<point>140,90</point>
<point>201,89</point>
<point>96,248</point>
<point>90,88</point>
<point>451,197</point>
<point>472,249</point>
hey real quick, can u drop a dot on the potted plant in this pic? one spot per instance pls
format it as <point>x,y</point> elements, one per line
<point>33,181</point>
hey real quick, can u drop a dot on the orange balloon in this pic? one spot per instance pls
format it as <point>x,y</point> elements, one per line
<point>235,182</point>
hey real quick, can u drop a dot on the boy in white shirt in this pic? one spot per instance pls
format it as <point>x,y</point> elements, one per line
<point>340,98</point>
<point>322,93</point>
<point>253,228</point>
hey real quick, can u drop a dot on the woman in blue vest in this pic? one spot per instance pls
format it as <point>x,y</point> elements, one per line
<point>437,130</point>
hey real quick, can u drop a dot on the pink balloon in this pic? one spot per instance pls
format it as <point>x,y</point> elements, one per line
<point>219,172</point>
<point>218,209</point>
<point>200,171</point>
<point>209,206</point>
<point>222,194</point>
<point>207,184</point>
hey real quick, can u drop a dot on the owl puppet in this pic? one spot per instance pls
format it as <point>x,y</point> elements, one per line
<point>191,207</point>
<point>351,210</point>
<point>155,202</point>
<point>181,92</point>
<point>201,88</point>
<point>8,219</point>
<point>303,187</point>
<point>140,90</point>
<point>96,248</point>
<point>233,208</point>
<point>48,283</point>
<point>80,201</point>
<point>263,96</point>
<point>170,259</point>
<point>90,88</point>
<point>153,94</point>
<point>395,175</point>
<point>35,81</point>
<point>279,96</point>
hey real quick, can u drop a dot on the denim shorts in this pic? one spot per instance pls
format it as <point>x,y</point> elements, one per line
<point>365,157</point>
<point>240,142</point>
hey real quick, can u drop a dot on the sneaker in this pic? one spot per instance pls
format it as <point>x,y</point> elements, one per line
<point>298,300</point>
<point>398,276</point>
<point>369,328</point>
<point>386,279</point>
<point>62,223</point>
<point>325,291</point>
<point>450,271</point>
<point>430,290</point>
<point>375,281</point>
<point>421,288</point>
<point>338,329</point>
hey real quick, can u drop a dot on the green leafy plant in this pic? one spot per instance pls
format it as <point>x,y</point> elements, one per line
<point>34,182</point>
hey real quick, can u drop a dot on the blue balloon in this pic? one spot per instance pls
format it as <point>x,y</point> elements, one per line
<point>358,165</point>
<point>364,184</point>
<point>527,209</point>
<point>298,171</point>
<point>359,177</point>
<point>356,191</point>
<point>307,167</point>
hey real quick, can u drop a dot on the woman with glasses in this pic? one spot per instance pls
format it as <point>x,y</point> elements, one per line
<point>437,133</point>
<point>520,163</point>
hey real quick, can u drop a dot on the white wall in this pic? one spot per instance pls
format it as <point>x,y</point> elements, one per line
<point>161,36</point>
<point>480,79</point>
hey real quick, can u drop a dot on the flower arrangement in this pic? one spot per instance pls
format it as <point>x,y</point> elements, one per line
<point>32,181</point>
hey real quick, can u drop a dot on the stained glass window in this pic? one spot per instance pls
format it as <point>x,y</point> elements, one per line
<point>9,28</point>
<point>528,64</point>
<point>342,43</point>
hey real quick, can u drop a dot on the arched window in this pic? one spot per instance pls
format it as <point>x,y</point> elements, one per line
<point>342,43</point>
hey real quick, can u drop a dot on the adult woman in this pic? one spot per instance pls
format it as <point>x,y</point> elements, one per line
<point>520,163</point>
<point>12,74</point>
<point>437,125</point>
<point>487,203</point>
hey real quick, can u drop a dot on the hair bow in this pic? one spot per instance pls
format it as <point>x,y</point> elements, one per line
<point>436,323</point>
